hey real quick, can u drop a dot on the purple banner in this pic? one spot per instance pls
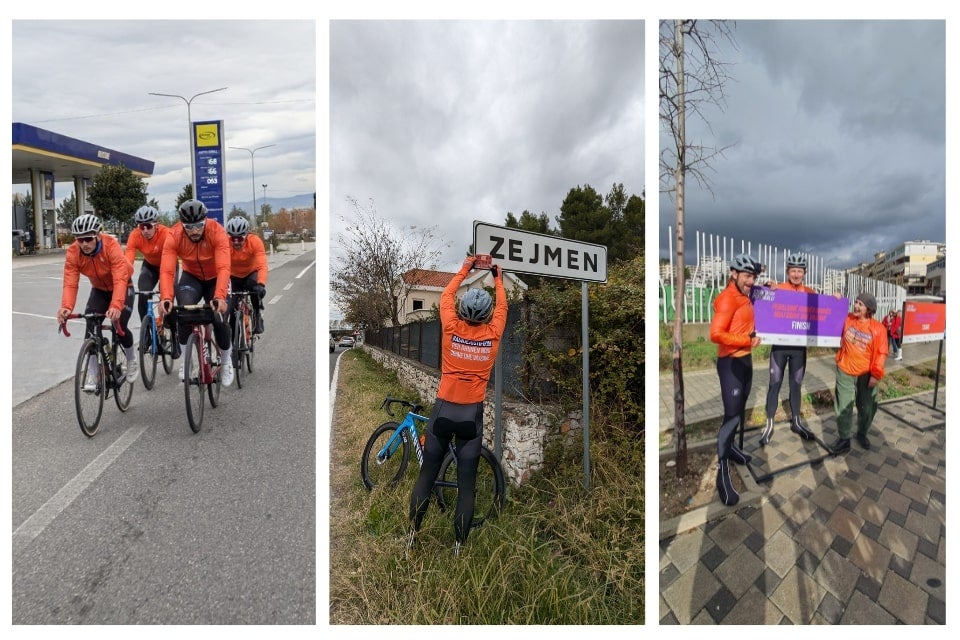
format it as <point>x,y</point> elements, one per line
<point>798,319</point>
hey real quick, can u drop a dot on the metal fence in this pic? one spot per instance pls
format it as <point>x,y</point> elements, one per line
<point>420,341</point>
<point>710,271</point>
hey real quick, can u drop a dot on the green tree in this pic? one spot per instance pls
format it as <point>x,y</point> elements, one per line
<point>185,194</point>
<point>116,194</point>
<point>615,221</point>
<point>237,211</point>
<point>67,210</point>
<point>530,222</point>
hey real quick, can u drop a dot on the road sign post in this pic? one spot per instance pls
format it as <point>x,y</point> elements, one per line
<point>555,257</point>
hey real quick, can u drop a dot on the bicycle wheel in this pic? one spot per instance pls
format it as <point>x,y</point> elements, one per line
<point>148,354</point>
<point>165,340</point>
<point>193,387</point>
<point>388,469</point>
<point>213,389</point>
<point>89,403</point>
<point>238,347</point>
<point>491,492</point>
<point>122,388</point>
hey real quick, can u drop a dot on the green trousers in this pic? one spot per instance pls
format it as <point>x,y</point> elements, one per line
<point>850,390</point>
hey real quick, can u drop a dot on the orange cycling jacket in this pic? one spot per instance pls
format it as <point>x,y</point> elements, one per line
<point>206,260</point>
<point>863,347</point>
<point>249,258</point>
<point>732,322</point>
<point>108,270</point>
<point>151,249</point>
<point>802,288</point>
<point>468,351</point>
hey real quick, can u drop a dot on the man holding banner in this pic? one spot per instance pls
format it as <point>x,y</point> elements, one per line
<point>733,330</point>
<point>782,354</point>
<point>860,360</point>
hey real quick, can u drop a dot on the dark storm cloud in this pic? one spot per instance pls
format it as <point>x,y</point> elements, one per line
<point>836,134</point>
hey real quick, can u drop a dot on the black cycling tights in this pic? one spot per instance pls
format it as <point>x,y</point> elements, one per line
<point>736,376</point>
<point>779,357</point>
<point>462,423</point>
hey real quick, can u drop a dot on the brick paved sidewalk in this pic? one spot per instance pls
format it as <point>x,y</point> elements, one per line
<point>859,538</point>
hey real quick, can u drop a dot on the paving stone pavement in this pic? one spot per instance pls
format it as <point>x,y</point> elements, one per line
<point>852,539</point>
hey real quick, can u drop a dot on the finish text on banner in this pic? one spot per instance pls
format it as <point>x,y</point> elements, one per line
<point>798,319</point>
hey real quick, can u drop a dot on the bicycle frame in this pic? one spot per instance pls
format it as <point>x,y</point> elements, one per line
<point>243,310</point>
<point>408,426</point>
<point>204,332</point>
<point>105,345</point>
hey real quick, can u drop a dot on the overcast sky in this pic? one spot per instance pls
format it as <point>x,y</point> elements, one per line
<point>838,139</point>
<point>91,79</point>
<point>444,123</point>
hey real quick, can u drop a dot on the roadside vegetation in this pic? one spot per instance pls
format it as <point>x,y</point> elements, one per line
<point>556,555</point>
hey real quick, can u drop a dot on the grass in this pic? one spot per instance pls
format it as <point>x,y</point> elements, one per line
<point>554,556</point>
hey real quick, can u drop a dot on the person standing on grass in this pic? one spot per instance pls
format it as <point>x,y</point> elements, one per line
<point>863,351</point>
<point>733,330</point>
<point>781,355</point>
<point>469,344</point>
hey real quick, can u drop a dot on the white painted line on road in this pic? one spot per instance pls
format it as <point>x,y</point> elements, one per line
<point>274,300</point>
<point>35,524</point>
<point>305,269</point>
<point>37,315</point>
<point>288,287</point>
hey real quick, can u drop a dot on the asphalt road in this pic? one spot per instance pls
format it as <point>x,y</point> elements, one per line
<point>148,523</point>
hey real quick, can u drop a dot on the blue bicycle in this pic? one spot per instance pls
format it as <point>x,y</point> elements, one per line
<point>156,342</point>
<point>388,451</point>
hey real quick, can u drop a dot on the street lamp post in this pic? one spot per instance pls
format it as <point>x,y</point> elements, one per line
<point>193,168</point>
<point>253,178</point>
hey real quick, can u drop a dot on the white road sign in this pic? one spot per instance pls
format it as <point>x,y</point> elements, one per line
<point>540,254</point>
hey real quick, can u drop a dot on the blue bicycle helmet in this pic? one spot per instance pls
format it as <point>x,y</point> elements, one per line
<point>475,306</point>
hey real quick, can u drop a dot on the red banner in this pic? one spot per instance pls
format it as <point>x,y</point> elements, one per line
<point>924,321</point>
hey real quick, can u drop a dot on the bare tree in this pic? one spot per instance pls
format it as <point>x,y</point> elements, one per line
<point>691,76</point>
<point>369,283</point>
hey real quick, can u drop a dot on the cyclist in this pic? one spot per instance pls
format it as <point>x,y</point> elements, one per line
<point>471,337</point>
<point>148,238</point>
<point>99,257</point>
<point>204,250</point>
<point>860,361</point>
<point>248,267</point>
<point>732,328</point>
<point>781,355</point>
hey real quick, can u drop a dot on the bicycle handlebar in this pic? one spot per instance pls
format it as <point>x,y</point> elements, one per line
<point>388,402</point>
<point>100,316</point>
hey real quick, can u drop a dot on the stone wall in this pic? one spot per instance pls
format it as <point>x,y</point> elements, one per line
<point>526,428</point>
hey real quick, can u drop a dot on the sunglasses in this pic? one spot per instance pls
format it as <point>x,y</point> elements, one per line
<point>87,239</point>
<point>190,226</point>
<point>237,238</point>
<point>146,226</point>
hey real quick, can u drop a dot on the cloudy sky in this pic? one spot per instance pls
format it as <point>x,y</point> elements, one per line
<point>91,80</point>
<point>444,123</point>
<point>836,134</point>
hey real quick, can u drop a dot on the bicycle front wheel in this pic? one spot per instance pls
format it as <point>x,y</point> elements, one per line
<point>213,389</point>
<point>382,464</point>
<point>122,388</point>
<point>165,339</point>
<point>88,393</point>
<point>148,355</point>
<point>491,492</point>
<point>238,347</point>
<point>193,387</point>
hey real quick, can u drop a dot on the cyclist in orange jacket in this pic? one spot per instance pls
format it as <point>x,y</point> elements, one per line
<point>860,360</point>
<point>248,267</point>
<point>471,338</point>
<point>99,257</point>
<point>732,329</point>
<point>148,238</point>
<point>204,249</point>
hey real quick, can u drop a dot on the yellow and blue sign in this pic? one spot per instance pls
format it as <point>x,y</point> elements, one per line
<point>208,160</point>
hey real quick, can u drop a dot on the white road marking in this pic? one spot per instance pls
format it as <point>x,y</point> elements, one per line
<point>35,524</point>
<point>274,299</point>
<point>288,287</point>
<point>305,269</point>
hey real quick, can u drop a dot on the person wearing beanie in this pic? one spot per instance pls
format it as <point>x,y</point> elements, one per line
<point>732,330</point>
<point>860,360</point>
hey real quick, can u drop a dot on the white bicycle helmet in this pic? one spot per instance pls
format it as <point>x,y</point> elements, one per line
<point>745,263</point>
<point>146,213</point>
<point>796,260</point>
<point>475,306</point>
<point>86,225</point>
<point>192,211</point>
<point>238,226</point>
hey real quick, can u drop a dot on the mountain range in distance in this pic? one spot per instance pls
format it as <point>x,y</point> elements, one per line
<point>301,201</point>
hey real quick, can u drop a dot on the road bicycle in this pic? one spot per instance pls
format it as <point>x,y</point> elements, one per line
<point>387,453</point>
<point>156,341</point>
<point>105,356</point>
<point>201,361</point>
<point>243,337</point>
